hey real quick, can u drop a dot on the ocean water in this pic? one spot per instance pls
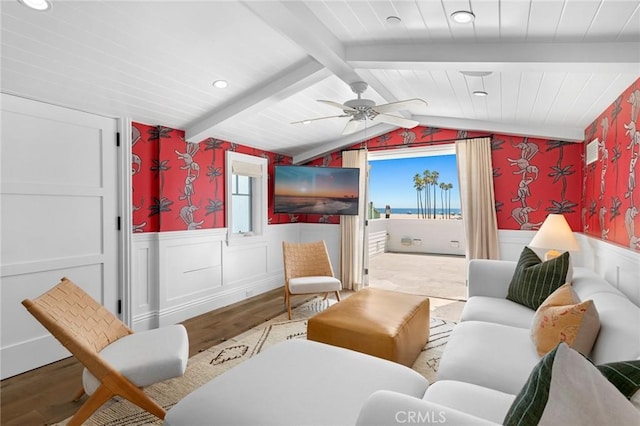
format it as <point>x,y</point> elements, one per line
<point>414,210</point>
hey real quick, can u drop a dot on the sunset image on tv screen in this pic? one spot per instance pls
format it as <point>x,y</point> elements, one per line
<point>316,190</point>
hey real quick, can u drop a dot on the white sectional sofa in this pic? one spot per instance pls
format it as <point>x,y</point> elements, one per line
<point>486,362</point>
<point>490,353</point>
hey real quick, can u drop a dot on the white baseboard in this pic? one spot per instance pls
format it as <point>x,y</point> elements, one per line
<point>179,313</point>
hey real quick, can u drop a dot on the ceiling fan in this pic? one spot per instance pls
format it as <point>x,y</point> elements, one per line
<point>360,110</point>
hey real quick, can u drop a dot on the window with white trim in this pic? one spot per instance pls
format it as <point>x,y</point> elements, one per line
<point>246,200</point>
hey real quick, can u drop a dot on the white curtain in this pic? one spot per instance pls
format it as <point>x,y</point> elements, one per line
<point>352,228</point>
<point>477,197</point>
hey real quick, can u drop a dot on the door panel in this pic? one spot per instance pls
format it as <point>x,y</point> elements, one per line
<point>58,218</point>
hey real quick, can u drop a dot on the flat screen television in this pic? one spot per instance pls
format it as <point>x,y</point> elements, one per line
<point>316,190</point>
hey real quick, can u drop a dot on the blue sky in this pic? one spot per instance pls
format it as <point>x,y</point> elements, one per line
<point>391,181</point>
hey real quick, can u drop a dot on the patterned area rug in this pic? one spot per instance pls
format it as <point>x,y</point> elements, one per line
<point>216,360</point>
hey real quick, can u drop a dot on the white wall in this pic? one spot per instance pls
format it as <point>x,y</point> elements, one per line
<point>179,275</point>
<point>425,236</point>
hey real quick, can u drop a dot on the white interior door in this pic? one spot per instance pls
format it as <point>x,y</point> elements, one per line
<point>58,218</point>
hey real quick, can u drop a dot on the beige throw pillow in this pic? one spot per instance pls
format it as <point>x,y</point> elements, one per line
<point>563,318</point>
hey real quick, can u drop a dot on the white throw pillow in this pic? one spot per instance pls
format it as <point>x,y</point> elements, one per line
<point>565,388</point>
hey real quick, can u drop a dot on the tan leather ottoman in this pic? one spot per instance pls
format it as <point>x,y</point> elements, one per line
<point>383,323</point>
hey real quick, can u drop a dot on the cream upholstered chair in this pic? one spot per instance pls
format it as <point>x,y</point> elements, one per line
<point>307,270</point>
<point>118,362</point>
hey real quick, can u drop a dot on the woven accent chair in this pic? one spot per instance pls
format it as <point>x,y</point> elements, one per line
<point>308,270</point>
<point>118,362</point>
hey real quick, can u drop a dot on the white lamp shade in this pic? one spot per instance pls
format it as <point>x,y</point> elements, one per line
<point>555,234</point>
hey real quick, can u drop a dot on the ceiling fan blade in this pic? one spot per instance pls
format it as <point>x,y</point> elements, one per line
<point>396,121</point>
<point>337,105</point>
<point>309,120</point>
<point>353,126</point>
<point>408,105</point>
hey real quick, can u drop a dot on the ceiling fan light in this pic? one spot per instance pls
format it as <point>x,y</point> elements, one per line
<point>39,5</point>
<point>463,16</point>
<point>220,84</point>
<point>480,93</point>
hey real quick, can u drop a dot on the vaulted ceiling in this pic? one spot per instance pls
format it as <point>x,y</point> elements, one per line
<point>550,67</point>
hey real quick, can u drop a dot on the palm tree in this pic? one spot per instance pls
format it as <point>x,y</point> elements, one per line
<point>449,188</point>
<point>443,187</point>
<point>434,181</point>
<point>427,200</point>
<point>418,184</point>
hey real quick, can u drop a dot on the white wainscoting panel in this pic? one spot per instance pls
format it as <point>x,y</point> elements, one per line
<point>244,263</point>
<point>144,281</point>
<point>513,241</point>
<point>618,265</point>
<point>275,236</point>
<point>190,272</point>
<point>330,233</point>
<point>179,275</point>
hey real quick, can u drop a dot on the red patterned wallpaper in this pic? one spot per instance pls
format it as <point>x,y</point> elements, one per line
<point>611,199</point>
<point>532,177</point>
<point>180,186</point>
<point>535,177</point>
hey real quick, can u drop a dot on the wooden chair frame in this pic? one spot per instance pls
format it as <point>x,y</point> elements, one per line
<point>85,327</point>
<point>305,260</point>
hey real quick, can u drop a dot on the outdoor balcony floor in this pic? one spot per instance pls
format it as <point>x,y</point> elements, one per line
<point>440,277</point>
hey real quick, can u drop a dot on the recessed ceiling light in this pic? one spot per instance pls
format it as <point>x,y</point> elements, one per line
<point>220,84</point>
<point>463,16</point>
<point>393,20</point>
<point>476,73</point>
<point>306,122</point>
<point>480,93</point>
<point>39,5</point>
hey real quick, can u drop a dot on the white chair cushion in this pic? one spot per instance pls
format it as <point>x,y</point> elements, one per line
<point>145,358</point>
<point>479,401</point>
<point>302,285</point>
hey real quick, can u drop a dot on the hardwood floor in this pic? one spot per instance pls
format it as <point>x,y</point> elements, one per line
<point>43,396</point>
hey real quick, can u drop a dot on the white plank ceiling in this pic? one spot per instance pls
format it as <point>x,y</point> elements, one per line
<point>555,65</point>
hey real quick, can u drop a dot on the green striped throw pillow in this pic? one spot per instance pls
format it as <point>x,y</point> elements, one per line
<point>565,388</point>
<point>534,280</point>
<point>625,375</point>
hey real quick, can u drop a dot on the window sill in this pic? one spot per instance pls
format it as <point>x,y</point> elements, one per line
<point>244,239</point>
